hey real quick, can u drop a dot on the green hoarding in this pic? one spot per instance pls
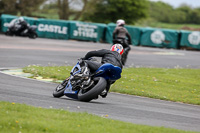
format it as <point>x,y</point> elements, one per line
<point>87,31</point>
<point>135,33</point>
<point>6,19</point>
<point>190,39</point>
<point>159,38</point>
<point>56,29</point>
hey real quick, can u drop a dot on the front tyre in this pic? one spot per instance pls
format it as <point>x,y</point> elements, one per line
<point>98,86</point>
<point>59,91</point>
<point>9,33</point>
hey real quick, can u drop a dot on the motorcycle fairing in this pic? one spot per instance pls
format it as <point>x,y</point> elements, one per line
<point>76,66</point>
<point>69,92</point>
<point>109,72</point>
<point>68,89</point>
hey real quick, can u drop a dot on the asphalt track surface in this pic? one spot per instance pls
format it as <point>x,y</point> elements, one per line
<point>16,52</point>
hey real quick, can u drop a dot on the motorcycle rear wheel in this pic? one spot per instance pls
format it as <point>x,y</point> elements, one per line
<point>59,91</point>
<point>98,86</point>
<point>32,35</point>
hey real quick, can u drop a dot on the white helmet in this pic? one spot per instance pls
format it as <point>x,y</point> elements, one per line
<point>118,48</point>
<point>120,22</point>
<point>21,19</point>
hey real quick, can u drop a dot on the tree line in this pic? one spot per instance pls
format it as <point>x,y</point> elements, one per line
<point>104,11</point>
<point>164,12</point>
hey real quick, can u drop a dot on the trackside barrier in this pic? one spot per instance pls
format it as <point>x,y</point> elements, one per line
<point>159,38</point>
<point>0,24</point>
<point>135,33</point>
<point>87,31</point>
<point>61,29</point>
<point>190,39</point>
<point>55,29</point>
<point>6,19</point>
<point>152,37</point>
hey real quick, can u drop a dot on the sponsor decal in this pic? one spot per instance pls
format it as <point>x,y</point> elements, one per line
<point>85,30</point>
<point>52,28</point>
<point>194,38</point>
<point>157,37</point>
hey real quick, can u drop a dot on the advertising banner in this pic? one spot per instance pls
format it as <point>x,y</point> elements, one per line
<point>56,29</point>
<point>87,31</point>
<point>135,33</point>
<point>5,21</point>
<point>190,39</point>
<point>159,38</point>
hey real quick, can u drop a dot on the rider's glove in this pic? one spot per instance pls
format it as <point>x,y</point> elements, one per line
<point>82,58</point>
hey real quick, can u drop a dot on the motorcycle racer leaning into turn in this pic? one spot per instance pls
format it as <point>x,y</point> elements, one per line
<point>17,26</point>
<point>23,25</point>
<point>112,56</point>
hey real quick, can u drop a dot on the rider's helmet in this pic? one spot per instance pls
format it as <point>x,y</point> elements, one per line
<point>118,48</point>
<point>21,19</point>
<point>120,22</point>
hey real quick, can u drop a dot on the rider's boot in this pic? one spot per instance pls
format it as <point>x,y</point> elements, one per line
<point>104,93</point>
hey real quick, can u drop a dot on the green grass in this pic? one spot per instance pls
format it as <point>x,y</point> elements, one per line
<point>179,85</point>
<point>166,25</point>
<point>53,72</point>
<point>20,118</point>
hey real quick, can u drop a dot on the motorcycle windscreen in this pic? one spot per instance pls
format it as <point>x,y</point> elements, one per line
<point>109,72</point>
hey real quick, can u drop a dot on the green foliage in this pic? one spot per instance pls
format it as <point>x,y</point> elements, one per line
<point>22,7</point>
<point>49,11</point>
<point>164,12</point>
<point>195,16</point>
<point>7,6</point>
<point>180,85</point>
<point>161,11</point>
<point>105,11</point>
<point>20,118</point>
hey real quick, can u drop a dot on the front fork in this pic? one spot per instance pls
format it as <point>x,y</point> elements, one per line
<point>64,83</point>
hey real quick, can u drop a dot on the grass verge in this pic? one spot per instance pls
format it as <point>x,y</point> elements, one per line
<point>167,25</point>
<point>20,118</point>
<point>179,85</point>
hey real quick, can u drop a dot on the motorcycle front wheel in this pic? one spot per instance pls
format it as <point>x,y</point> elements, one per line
<point>8,33</point>
<point>59,91</point>
<point>98,86</point>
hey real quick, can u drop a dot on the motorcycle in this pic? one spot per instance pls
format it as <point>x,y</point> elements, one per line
<point>29,32</point>
<point>85,86</point>
<point>126,47</point>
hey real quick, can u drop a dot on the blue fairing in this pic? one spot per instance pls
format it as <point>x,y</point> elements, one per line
<point>69,92</point>
<point>68,89</point>
<point>76,66</point>
<point>109,72</point>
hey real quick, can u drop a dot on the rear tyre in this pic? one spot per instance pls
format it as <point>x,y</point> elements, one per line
<point>33,35</point>
<point>59,91</point>
<point>91,93</point>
